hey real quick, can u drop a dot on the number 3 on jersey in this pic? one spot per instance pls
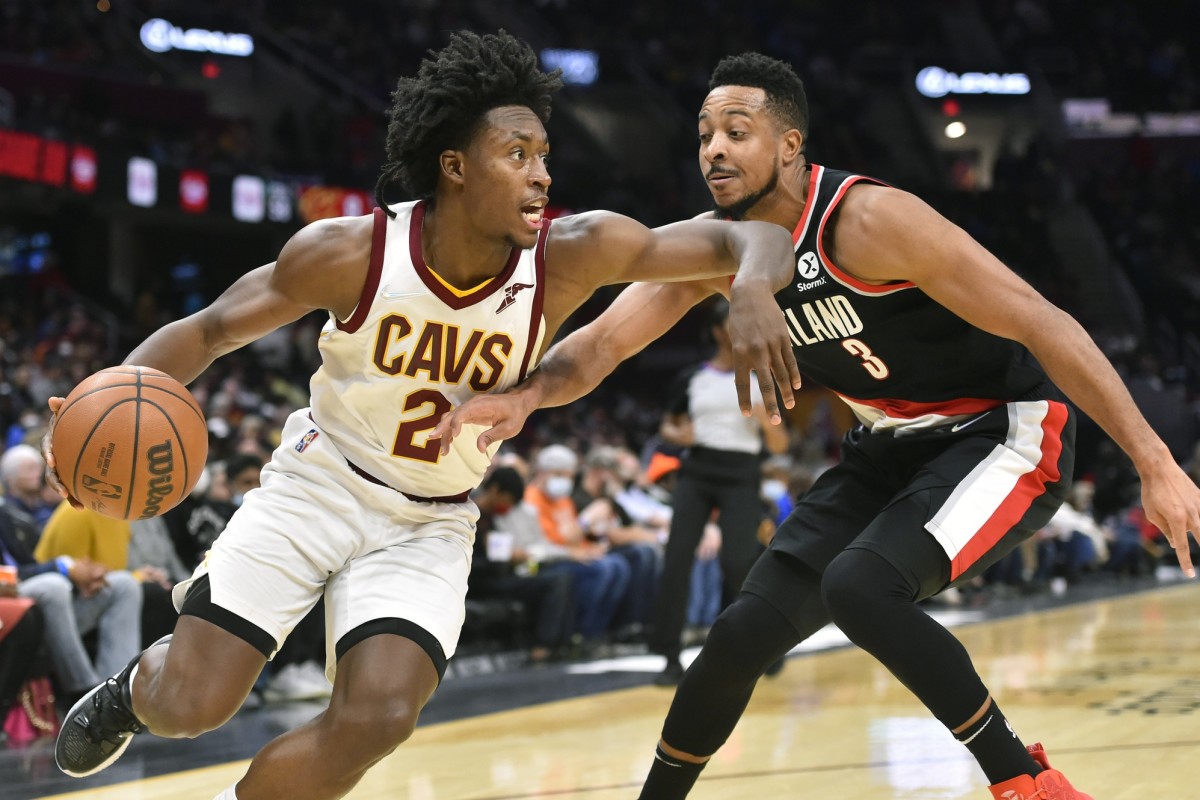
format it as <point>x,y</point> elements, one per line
<point>871,362</point>
<point>404,446</point>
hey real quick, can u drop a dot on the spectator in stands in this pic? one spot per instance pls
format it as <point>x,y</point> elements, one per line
<point>604,519</point>
<point>76,596</point>
<point>501,566</point>
<point>23,476</point>
<point>231,480</point>
<point>1072,541</point>
<point>1130,546</point>
<point>598,578</point>
<point>104,542</point>
<point>21,630</point>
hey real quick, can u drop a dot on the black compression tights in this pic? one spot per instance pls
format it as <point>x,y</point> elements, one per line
<point>875,605</point>
<point>747,638</point>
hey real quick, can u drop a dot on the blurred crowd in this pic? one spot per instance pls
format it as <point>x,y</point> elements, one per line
<point>577,510</point>
<point>575,514</point>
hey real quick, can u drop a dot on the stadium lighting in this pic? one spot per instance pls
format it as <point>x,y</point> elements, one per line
<point>955,130</point>
<point>580,67</point>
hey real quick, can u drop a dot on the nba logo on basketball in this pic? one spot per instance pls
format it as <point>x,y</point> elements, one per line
<point>306,440</point>
<point>102,488</point>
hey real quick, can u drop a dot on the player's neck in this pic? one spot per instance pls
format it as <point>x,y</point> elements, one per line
<point>785,205</point>
<point>460,255</point>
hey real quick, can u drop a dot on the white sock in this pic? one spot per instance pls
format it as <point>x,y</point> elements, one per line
<point>228,794</point>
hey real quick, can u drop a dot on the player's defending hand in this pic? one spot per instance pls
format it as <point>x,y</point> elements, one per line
<point>760,340</point>
<point>504,414</point>
<point>1172,502</point>
<point>55,404</point>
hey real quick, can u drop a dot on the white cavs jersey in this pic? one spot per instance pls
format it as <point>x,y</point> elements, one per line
<point>415,348</point>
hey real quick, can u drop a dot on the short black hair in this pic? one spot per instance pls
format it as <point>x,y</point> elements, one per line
<point>443,106</point>
<point>786,99</point>
<point>506,480</point>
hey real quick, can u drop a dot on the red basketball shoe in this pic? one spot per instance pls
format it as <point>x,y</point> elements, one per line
<point>1048,785</point>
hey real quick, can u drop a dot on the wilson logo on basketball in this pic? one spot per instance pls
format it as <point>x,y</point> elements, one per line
<point>160,459</point>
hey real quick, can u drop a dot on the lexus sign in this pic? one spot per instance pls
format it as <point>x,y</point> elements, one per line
<point>160,36</point>
<point>937,82</point>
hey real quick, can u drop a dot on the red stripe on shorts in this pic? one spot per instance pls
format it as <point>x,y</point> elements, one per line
<point>1029,487</point>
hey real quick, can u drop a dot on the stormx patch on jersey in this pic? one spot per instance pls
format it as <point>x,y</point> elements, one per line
<point>808,267</point>
<point>306,440</point>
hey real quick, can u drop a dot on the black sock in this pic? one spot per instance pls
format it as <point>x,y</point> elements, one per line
<point>996,747</point>
<point>669,778</point>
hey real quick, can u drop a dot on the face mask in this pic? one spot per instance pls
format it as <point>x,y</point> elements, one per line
<point>774,490</point>
<point>559,486</point>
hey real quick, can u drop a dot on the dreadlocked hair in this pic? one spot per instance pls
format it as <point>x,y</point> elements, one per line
<point>444,105</point>
<point>786,99</point>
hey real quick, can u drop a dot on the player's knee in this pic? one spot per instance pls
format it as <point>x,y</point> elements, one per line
<point>734,649</point>
<point>188,717</point>
<point>373,729</point>
<point>853,584</point>
<point>185,709</point>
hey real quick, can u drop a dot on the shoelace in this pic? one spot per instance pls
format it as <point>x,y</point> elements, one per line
<point>95,729</point>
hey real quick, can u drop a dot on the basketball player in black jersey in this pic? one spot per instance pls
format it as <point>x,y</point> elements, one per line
<point>965,446</point>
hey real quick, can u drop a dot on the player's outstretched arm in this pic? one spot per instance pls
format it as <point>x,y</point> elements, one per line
<point>322,267</point>
<point>603,248</point>
<point>577,364</point>
<point>609,248</point>
<point>887,234</point>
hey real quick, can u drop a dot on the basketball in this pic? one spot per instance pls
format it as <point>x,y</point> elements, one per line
<point>130,442</point>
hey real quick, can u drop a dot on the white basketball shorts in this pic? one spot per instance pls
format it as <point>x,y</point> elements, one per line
<point>316,527</point>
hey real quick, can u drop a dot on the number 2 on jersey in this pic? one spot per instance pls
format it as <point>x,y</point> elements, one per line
<point>871,362</point>
<point>405,447</point>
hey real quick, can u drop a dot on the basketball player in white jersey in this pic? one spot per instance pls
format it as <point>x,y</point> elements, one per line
<point>429,302</point>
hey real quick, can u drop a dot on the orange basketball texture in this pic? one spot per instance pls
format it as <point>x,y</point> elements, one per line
<point>130,442</point>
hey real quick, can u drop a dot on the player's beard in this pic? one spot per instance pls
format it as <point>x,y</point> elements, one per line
<point>739,208</point>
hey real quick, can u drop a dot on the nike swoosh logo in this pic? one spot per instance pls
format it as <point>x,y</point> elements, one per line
<point>397,295</point>
<point>959,426</point>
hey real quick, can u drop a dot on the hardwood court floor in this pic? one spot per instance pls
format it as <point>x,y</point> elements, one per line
<point>1112,687</point>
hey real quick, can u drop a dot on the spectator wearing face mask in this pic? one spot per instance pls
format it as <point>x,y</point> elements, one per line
<point>599,579</point>
<point>603,518</point>
<point>504,563</point>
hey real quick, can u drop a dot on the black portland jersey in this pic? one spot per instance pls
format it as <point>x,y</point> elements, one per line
<point>900,360</point>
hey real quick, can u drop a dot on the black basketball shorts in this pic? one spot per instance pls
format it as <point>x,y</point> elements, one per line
<point>978,488</point>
